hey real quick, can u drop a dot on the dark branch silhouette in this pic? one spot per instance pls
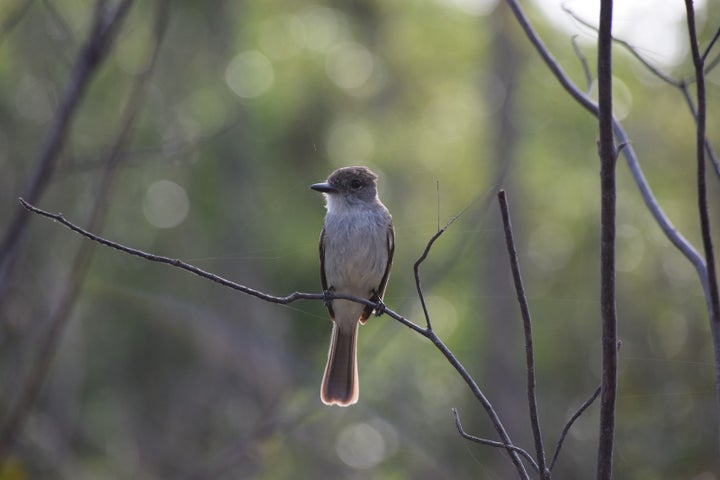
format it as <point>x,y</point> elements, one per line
<point>527,330</point>
<point>491,443</point>
<point>714,303</point>
<point>608,309</point>
<point>570,423</point>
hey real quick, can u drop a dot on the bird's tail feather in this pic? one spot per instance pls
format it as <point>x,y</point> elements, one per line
<point>340,381</point>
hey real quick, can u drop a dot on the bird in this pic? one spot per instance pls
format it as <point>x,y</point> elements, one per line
<point>357,244</point>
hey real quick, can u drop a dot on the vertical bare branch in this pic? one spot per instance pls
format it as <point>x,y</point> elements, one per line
<point>91,56</point>
<point>527,329</point>
<point>714,300</point>
<point>607,244</point>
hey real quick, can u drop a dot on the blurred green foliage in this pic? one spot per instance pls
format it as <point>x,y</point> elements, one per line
<point>161,374</point>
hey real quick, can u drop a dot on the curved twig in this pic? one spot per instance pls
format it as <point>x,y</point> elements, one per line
<point>681,85</point>
<point>570,423</point>
<point>492,443</point>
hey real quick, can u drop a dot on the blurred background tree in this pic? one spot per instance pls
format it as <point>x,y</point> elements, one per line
<point>201,132</point>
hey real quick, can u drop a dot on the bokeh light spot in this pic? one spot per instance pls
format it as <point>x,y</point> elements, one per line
<point>317,28</point>
<point>166,204</point>
<point>249,74</point>
<point>360,446</point>
<point>349,65</point>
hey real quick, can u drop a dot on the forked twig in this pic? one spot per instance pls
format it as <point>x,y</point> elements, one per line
<point>680,84</point>
<point>714,300</point>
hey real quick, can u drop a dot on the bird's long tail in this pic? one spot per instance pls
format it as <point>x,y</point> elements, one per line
<point>340,381</point>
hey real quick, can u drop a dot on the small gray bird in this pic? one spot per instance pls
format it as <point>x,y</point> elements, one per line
<point>356,251</point>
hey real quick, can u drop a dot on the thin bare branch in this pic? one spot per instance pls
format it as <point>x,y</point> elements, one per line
<point>416,269</point>
<point>608,309</point>
<point>185,266</point>
<point>710,46</point>
<point>682,85</point>
<point>570,423</point>
<point>583,63</point>
<point>714,304</point>
<point>492,443</point>
<point>489,409</point>
<point>423,257</point>
<point>632,50</point>
<point>527,330</point>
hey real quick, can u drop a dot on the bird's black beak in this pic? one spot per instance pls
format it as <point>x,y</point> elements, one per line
<point>323,187</point>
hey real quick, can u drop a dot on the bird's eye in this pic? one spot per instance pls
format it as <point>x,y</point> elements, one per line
<point>355,184</point>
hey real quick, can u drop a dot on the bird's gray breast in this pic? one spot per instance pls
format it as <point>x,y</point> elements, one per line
<point>356,251</point>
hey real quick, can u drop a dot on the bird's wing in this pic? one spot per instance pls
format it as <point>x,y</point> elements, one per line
<point>383,282</point>
<point>323,277</point>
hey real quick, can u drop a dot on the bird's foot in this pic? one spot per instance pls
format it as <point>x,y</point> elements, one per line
<point>379,308</point>
<point>328,298</point>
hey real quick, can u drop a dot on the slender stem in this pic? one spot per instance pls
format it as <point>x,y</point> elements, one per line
<point>710,45</point>
<point>714,304</point>
<point>570,423</point>
<point>416,270</point>
<point>583,64</point>
<point>527,329</point>
<point>491,443</point>
<point>607,245</point>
